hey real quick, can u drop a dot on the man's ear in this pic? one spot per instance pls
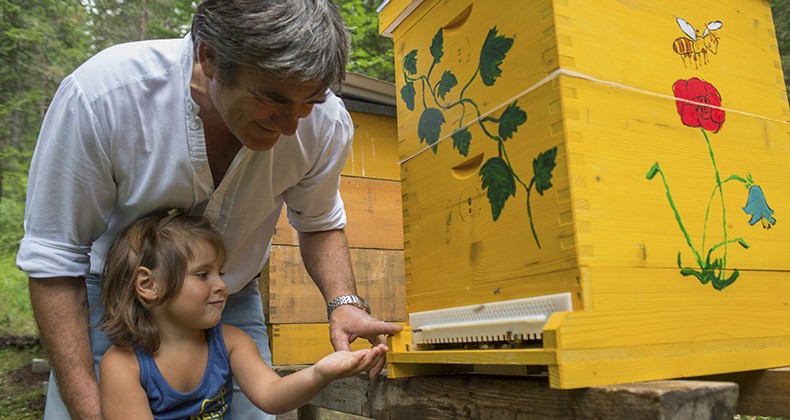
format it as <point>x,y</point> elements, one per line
<point>144,285</point>
<point>207,59</point>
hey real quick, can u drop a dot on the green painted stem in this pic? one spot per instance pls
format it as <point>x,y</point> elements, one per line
<point>721,195</point>
<point>710,201</point>
<point>677,216</point>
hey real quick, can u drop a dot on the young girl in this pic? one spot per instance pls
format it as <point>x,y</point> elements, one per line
<point>163,293</point>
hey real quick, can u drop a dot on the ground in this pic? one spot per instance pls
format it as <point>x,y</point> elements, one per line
<point>21,391</point>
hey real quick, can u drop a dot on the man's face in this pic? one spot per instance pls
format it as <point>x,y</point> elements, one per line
<point>257,109</point>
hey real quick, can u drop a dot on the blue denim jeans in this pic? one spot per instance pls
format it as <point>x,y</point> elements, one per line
<point>244,310</point>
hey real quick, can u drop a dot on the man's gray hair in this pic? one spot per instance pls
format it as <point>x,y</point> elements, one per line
<point>304,40</point>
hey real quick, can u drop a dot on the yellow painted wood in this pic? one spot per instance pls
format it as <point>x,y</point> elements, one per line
<point>303,344</point>
<point>603,330</point>
<point>632,44</point>
<point>391,17</point>
<point>290,296</point>
<point>574,35</point>
<point>482,357</point>
<point>456,254</point>
<point>674,361</point>
<point>374,151</point>
<point>373,212</point>
<point>632,289</point>
<point>614,136</point>
<point>597,348</point>
<point>595,80</point>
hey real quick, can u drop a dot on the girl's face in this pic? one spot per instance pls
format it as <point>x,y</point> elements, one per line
<point>202,297</point>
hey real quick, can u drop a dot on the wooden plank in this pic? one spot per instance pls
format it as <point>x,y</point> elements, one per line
<point>490,397</point>
<point>311,412</point>
<point>303,344</point>
<point>761,393</point>
<point>373,211</point>
<point>374,151</point>
<point>293,298</point>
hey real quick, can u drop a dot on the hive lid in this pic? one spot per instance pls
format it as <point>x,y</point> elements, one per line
<point>393,12</point>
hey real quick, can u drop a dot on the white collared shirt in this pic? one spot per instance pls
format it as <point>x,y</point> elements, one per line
<point>122,139</point>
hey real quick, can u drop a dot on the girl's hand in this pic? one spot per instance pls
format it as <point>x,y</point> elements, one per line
<point>342,364</point>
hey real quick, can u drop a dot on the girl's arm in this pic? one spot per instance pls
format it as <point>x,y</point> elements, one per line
<point>275,394</point>
<point>122,396</point>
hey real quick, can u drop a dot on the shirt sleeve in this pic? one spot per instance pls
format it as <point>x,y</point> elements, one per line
<point>70,193</point>
<point>314,204</point>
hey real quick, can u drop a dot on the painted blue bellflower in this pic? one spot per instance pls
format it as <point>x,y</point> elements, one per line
<point>757,207</point>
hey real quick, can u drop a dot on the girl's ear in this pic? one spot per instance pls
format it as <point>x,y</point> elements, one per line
<point>144,285</point>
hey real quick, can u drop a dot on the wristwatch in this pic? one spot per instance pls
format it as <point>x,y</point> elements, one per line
<point>354,300</point>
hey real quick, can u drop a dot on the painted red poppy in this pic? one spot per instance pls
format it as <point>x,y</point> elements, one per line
<point>697,114</point>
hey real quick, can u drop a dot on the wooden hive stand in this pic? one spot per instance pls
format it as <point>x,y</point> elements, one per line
<point>466,396</point>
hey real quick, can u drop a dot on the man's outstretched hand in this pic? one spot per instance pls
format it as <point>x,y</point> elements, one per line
<point>347,323</point>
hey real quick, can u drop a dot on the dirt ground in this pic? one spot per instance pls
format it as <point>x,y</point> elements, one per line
<point>21,391</point>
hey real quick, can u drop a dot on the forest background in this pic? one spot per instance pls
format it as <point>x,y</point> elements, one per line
<point>41,41</point>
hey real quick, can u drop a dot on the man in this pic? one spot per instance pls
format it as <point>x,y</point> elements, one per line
<point>232,121</point>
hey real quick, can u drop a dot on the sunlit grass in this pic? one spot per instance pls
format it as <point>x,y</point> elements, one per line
<point>16,314</point>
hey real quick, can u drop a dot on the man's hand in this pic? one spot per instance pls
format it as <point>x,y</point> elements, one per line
<point>347,323</point>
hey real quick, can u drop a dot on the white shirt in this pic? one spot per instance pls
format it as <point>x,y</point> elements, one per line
<point>122,139</point>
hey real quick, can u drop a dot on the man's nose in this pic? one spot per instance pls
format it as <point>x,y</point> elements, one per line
<point>289,116</point>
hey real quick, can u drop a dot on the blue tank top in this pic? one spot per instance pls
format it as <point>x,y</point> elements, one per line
<point>210,400</point>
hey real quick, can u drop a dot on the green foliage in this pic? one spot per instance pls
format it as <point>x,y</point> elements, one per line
<point>11,214</point>
<point>16,314</point>
<point>371,53</point>
<point>113,21</point>
<point>781,13</point>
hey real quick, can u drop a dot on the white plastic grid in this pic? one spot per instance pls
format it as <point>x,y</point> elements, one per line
<point>495,321</point>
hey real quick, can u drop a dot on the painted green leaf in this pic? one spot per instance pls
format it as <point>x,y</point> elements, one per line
<point>461,139</point>
<point>652,172</point>
<point>543,165</point>
<point>410,62</point>
<point>498,179</point>
<point>430,126</point>
<point>437,47</point>
<point>511,118</point>
<point>685,272</point>
<point>407,93</point>
<point>493,53</point>
<point>447,82</point>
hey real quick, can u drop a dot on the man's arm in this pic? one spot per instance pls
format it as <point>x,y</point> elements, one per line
<point>60,306</point>
<point>326,258</point>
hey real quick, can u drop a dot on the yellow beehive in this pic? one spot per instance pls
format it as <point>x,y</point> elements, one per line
<point>563,146</point>
<point>370,187</point>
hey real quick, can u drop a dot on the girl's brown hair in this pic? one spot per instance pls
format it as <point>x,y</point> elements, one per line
<point>162,243</point>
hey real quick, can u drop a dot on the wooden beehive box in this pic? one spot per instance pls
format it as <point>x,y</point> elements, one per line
<point>370,187</point>
<point>563,146</point>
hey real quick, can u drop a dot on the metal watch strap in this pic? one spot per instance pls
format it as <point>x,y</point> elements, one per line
<point>353,300</point>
